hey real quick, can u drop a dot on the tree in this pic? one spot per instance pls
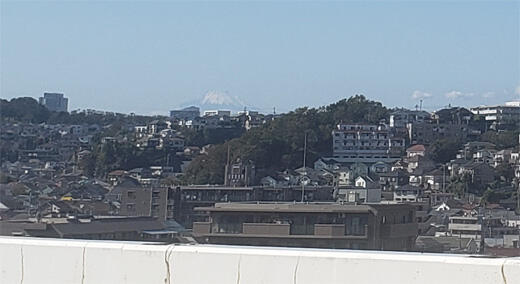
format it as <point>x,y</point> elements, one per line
<point>88,165</point>
<point>4,178</point>
<point>24,109</point>
<point>492,196</point>
<point>444,150</point>
<point>506,172</point>
<point>503,139</point>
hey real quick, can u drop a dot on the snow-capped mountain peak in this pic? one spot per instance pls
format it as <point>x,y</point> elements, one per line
<point>221,99</point>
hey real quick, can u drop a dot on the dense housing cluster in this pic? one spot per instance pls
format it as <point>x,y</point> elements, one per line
<point>446,181</point>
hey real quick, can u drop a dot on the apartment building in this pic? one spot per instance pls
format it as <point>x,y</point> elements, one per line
<point>427,133</point>
<point>366,143</point>
<point>401,117</point>
<point>54,101</point>
<point>500,117</point>
<point>136,200</point>
<point>188,113</point>
<point>320,225</point>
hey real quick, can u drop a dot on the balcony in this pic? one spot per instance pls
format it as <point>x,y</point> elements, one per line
<point>465,227</point>
<point>268,229</point>
<point>399,230</point>
<point>329,230</point>
<point>321,231</point>
<point>30,260</point>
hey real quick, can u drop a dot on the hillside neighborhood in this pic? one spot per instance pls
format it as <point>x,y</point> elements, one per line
<point>443,181</point>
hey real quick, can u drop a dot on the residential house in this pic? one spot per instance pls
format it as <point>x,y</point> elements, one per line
<point>393,179</point>
<point>435,179</point>
<point>479,173</point>
<point>240,173</point>
<point>418,162</point>
<point>470,148</point>
<point>427,133</point>
<point>364,190</point>
<point>506,156</point>
<point>408,193</point>
<point>416,150</point>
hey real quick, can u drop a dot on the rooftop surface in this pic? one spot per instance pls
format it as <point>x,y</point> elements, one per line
<point>299,207</point>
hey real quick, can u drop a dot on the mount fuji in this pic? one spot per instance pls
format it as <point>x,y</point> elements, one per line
<point>218,100</point>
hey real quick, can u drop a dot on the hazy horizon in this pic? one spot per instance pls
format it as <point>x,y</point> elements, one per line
<point>152,57</point>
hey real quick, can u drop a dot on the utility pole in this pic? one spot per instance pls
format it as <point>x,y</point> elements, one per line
<point>226,169</point>
<point>444,178</point>
<point>304,168</point>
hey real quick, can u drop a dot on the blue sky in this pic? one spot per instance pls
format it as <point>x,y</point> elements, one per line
<point>150,57</point>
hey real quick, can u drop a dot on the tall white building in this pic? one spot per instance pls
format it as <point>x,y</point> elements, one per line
<point>366,143</point>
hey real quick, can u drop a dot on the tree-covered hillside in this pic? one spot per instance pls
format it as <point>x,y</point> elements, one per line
<point>278,144</point>
<point>27,109</point>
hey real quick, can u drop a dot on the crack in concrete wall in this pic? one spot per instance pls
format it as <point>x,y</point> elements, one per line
<point>502,272</point>
<point>83,264</point>
<point>296,269</point>
<point>23,272</point>
<point>167,254</point>
<point>238,268</point>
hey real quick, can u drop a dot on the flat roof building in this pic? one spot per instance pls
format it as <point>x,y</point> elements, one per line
<point>366,143</point>
<point>499,117</point>
<point>375,226</point>
<point>188,113</point>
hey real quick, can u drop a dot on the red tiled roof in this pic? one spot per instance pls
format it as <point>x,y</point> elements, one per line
<point>416,148</point>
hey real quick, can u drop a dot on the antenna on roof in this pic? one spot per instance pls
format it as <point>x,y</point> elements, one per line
<point>420,108</point>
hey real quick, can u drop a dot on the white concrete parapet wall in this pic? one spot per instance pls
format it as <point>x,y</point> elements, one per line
<point>32,260</point>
